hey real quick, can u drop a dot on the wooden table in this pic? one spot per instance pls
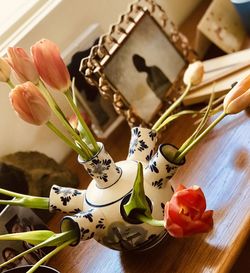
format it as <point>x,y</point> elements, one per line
<point>220,164</point>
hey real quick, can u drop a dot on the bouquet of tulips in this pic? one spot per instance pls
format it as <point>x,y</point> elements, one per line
<point>38,75</point>
<point>44,71</point>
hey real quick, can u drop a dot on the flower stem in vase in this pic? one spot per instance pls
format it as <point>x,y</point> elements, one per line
<point>23,200</point>
<point>175,116</point>
<point>71,144</point>
<point>41,238</point>
<point>184,150</point>
<point>50,255</point>
<point>60,115</point>
<point>150,220</point>
<point>171,108</point>
<point>199,128</point>
<point>88,133</point>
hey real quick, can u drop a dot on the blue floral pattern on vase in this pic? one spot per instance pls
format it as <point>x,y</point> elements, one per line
<point>66,199</point>
<point>99,169</point>
<point>91,224</point>
<point>142,144</point>
<point>102,168</point>
<point>160,169</point>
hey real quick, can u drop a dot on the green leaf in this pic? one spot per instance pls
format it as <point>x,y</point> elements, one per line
<point>138,201</point>
<point>32,237</point>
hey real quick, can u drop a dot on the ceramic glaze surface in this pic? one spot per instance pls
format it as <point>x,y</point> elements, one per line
<point>102,216</point>
<point>142,144</point>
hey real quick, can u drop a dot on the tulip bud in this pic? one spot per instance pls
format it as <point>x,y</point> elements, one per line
<point>238,98</point>
<point>22,64</point>
<point>4,70</point>
<point>29,104</point>
<point>194,73</point>
<point>50,65</point>
<point>73,120</point>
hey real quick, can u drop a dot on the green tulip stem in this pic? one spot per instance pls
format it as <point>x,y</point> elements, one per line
<point>23,200</point>
<point>71,144</point>
<point>175,116</point>
<point>43,239</point>
<point>89,135</point>
<point>50,255</point>
<point>199,128</point>
<point>10,83</point>
<point>22,254</point>
<point>171,108</point>
<point>183,151</point>
<point>150,221</point>
<point>60,115</point>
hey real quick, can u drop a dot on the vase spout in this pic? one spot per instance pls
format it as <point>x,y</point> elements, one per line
<point>142,144</point>
<point>102,168</point>
<point>90,224</point>
<point>67,200</point>
<point>161,168</point>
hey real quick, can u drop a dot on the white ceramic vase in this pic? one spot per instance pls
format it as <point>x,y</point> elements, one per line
<point>99,208</point>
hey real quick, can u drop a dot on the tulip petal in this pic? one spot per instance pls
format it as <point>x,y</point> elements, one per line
<point>185,213</point>
<point>22,64</point>
<point>50,66</point>
<point>29,104</point>
<point>239,103</point>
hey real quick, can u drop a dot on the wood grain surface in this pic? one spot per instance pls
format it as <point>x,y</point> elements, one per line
<point>220,164</point>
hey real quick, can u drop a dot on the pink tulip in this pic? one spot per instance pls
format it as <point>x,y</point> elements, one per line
<point>4,70</point>
<point>238,98</point>
<point>50,65</point>
<point>29,104</point>
<point>22,64</point>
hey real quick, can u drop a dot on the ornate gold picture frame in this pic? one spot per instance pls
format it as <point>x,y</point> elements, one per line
<point>139,64</point>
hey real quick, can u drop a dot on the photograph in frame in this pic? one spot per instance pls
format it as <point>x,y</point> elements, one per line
<point>138,69</point>
<point>139,64</point>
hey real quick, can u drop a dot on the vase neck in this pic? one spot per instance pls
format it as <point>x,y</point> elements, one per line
<point>142,144</point>
<point>160,168</point>
<point>102,168</point>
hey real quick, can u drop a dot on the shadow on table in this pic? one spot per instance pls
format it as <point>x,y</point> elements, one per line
<point>172,255</point>
<point>242,264</point>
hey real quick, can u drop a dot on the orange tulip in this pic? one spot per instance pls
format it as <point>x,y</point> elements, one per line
<point>238,98</point>
<point>50,65</point>
<point>194,73</point>
<point>29,104</point>
<point>185,213</point>
<point>4,70</point>
<point>22,64</point>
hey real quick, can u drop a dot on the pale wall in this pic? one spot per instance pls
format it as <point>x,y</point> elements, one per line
<point>63,25</point>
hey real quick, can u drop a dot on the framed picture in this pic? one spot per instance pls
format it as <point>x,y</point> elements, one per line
<point>19,219</point>
<point>139,64</point>
<point>103,117</point>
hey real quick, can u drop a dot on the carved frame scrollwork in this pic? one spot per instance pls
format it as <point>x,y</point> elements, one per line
<point>92,67</point>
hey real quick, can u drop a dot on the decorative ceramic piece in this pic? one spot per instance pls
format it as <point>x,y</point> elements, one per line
<point>100,210</point>
<point>160,168</point>
<point>102,168</point>
<point>142,144</point>
<point>67,200</point>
